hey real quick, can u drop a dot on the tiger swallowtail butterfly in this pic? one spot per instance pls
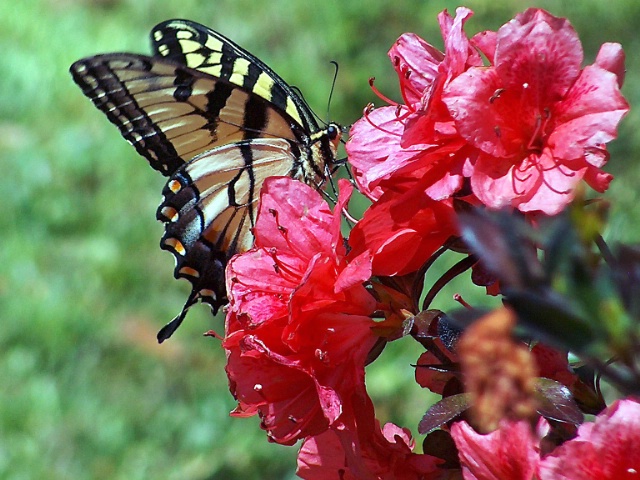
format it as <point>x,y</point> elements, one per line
<point>217,121</point>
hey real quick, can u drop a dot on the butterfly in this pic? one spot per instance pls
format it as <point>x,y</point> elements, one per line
<point>217,121</point>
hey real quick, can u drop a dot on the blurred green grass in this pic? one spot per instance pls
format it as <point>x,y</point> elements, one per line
<point>86,392</point>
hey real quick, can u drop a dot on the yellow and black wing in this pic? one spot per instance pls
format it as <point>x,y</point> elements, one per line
<point>218,122</point>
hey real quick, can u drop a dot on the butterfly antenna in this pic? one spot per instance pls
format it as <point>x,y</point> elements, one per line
<point>333,86</point>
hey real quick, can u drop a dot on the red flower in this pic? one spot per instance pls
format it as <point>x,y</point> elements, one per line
<point>553,364</point>
<point>401,231</point>
<point>361,449</point>
<point>298,328</point>
<point>410,159</point>
<point>510,452</point>
<point>607,449</point>
<point>525,130</point>
<point>324,457</point>
<point>540,122</point>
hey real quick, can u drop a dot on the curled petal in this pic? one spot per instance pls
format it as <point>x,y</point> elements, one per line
<point>611,57</point>
<point>416,63</point>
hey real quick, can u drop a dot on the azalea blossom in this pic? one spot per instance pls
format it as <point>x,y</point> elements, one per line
<point>409,158</point>
<point>360,449</point>
<point>606,449</point>
<point>511,451</point>
<point>416,145</point>
<point>324,457</point>
<point>525,130</point>
<point>401,231</point>
<point>298,327</point>
<point>539,121</point>
<point>505,119</point>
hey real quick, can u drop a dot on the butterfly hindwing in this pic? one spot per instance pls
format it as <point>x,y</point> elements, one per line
<point>217,121</point>
<point>209,209</point>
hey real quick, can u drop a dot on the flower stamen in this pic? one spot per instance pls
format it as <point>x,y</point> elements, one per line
<point>379,94</point>
<point>496,94</point>
<point>378,127</point>
<point>536,143</point>
<point>281,268</point>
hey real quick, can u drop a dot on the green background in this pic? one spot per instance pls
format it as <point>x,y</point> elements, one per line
<point>86,393</point>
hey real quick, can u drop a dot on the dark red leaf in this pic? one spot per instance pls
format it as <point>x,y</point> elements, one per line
<point>556,402</point>
<point>443,411</point>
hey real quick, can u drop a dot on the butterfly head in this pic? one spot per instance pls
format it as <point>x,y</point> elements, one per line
<point>334,132</point>
<point>329,139</point>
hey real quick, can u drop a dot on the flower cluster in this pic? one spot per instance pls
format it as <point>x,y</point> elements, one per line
<point>606,449</point>
<point>298,332</point>
<point>299,325</point>
<point>507,119</point>
<point>521,132</point>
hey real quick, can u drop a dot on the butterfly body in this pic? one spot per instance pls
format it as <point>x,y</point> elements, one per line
<point>216,121</point>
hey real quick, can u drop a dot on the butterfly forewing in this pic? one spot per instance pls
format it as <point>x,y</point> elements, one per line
<point>201,48</point>
<point>171,113</point>
<point>218,122</point>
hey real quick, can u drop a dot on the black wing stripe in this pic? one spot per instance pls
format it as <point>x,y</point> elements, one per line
<point>255,117</point>
<point>247,156</point>
<point>216,101</point>
<point>226,62</point>
<point>252,76</point>
<point>101,84</point>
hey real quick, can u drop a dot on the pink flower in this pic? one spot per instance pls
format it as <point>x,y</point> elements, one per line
<point>396,147</point>
<point>539,121</point>
<point>607,449</point>
<point>510,452</point>
<point>298,327</point>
